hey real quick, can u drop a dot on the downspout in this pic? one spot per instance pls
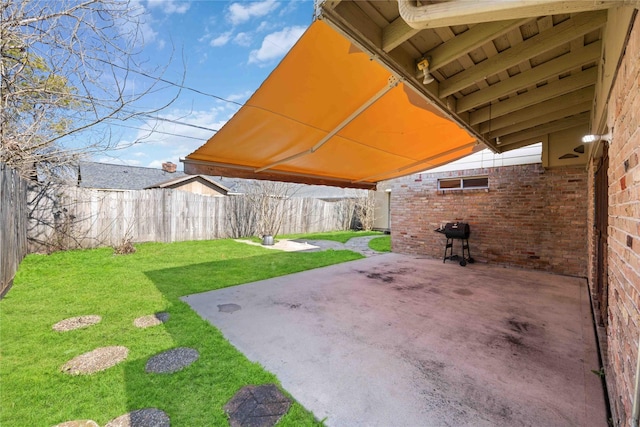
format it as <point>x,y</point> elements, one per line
<point>463,12</point>
<point>635,414</point>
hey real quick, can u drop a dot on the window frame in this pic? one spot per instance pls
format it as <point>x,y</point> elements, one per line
<point>461,183</point>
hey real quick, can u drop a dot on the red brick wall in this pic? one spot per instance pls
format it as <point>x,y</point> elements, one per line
<point>530,217</point>
<point>624,232</point>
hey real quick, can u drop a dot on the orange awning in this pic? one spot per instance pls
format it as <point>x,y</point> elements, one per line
<point>330,115</point>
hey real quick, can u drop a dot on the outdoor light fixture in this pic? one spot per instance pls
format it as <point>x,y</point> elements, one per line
<point>423,66</point>
<point>593,138</point>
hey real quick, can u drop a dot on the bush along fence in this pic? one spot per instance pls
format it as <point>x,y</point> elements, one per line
<point>63,217</point>
<point>14,222</point>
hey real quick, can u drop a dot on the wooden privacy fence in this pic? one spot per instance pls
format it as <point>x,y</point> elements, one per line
<point>13,225</point>
<point>63,217</point>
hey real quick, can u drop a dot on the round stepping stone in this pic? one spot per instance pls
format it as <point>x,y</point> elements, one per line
<point>172,360</point>
<point>149,417</point>
<point>76,323</point>
<point>151,320</point>
<point>95,361</point>
<point>257,406</point>
<point>79,423</point>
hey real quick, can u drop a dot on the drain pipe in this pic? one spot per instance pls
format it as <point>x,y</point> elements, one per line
<point>462,12</point>
<point>635,415</point>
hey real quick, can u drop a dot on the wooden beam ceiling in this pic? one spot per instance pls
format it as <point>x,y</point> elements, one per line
<point>560,34</point>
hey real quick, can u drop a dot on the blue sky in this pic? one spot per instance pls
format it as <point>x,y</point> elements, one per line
<point>226,49</point>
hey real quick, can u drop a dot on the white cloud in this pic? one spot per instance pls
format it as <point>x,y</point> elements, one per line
<point>170,6</point>
<point>243,39</point>
<point>240,96</point>
<point>264,26</point>
<point>156,164</point>
<point>242,12</point>
<point>275,45</point>
<point>221,40</point>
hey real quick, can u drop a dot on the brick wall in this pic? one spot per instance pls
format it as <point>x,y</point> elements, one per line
<point>624,232</point>
<point>530,217</point>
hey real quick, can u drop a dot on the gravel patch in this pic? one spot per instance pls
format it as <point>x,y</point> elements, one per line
<point>79,423</point>
<point>97,360</point>
<point>151,320</point>
<point>76,323</point>
<point>149,417</point>
<point>172,360</point>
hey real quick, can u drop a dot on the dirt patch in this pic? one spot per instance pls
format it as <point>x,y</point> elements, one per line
<point>463,292</point>
<point>149,417</point>
<point>95,361</point>
<point>76,323</point>
<point>151,320</point>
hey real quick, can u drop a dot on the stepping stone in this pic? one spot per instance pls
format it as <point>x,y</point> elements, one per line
<point>257,406</point>
<point>149,417</point>
<point>172,360</point>
<point>95,361</point>
<point>79,423</point>
<point>151,320</point>
<point>76,323</point>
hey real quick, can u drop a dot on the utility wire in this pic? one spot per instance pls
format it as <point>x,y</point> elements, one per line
<point>160,132</point>
<point>160,79</point>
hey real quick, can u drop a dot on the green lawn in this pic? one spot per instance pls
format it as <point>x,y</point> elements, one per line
<point>381,244</point>
<point>120,288</point>
<point>338,236</point>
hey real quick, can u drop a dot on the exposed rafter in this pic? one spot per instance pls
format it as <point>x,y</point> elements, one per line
<point>552,105</point>
<point>558,35</point>
<point>536,75</point>
<point>551,90</point>
<point>470,40</point>
<point>546,128</point>
<point>533,121</point>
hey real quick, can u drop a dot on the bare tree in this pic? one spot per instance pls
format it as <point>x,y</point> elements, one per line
<point>365,211</point>
<point>241,216</point>
<point>268,199</point>
<point>69,66</point>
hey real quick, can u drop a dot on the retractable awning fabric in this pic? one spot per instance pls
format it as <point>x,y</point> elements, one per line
<point>330,115</point>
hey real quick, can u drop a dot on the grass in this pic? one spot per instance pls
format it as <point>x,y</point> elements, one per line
<point>49,288</point>
<point>381,244</point>
<point>337,236</point>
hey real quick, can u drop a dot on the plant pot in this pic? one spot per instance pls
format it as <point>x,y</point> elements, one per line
<point>267,240</point>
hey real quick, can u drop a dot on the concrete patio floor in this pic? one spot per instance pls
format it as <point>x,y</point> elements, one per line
<point>395,340</point>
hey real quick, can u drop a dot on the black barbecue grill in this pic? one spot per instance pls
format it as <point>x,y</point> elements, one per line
<point>457,231</point>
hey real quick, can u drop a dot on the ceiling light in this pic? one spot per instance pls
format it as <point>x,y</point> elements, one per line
<point>423,65</point>
<point>593,138</point>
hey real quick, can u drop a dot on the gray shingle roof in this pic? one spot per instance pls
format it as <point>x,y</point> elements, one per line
<point>121,177</point>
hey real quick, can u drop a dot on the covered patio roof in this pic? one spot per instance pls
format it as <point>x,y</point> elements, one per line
<point>329,114</point>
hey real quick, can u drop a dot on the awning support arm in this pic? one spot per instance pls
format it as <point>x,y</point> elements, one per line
<point>419,162</point>
<point>391,83</point>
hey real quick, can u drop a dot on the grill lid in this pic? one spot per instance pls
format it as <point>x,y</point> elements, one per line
<point>457,230</point>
